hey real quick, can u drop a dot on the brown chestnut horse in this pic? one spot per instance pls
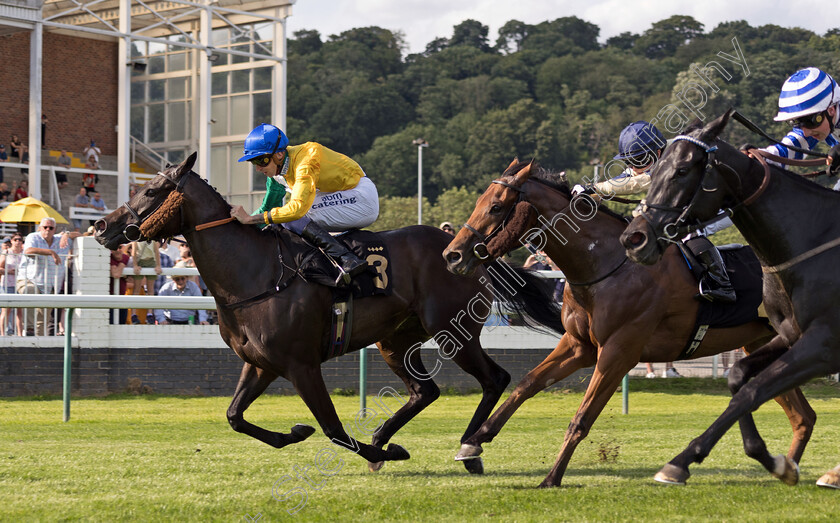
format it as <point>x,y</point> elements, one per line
<point>277,322</point>
<point>616,313</point>
<point>792,224</point>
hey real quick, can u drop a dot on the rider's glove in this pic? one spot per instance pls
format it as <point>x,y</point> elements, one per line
<point>746,148</point>
<point>577,189</point>
<point>834,157</point>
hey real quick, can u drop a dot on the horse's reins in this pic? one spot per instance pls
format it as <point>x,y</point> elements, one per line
<point>279,285</point>
<point>760,156</point>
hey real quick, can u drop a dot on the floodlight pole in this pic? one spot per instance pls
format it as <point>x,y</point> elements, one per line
<point>420,143</point>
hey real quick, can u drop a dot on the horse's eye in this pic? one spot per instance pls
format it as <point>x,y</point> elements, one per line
<point>150,192</point>
<point>495,209</point>
<point>682,171</point>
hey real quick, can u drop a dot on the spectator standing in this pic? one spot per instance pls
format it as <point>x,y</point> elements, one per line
<point>18,148</point>
<point>65,162</point>
<point>92,150</point>
<point>144,255</point>
<point>447,227</point>
<point>119,260</point>
<point>5,193</point>
<point>89,179</point>
<point>180,286</point>
<point>97,202</point>
<point>165,262</point>
<point>82,200</point>
<point>3,157</point>
<point>22,190</point>
<point>42,274</point>
<point>9,263</point>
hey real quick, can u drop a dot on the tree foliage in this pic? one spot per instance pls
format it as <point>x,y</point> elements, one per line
<point>548,91</point>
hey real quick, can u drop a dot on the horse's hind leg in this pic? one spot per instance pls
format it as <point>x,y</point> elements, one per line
<point>569,356</point>
<point>422,392</point>
<point>252,382</point>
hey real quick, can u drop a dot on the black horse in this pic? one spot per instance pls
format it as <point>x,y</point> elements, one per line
<point>278,323</point>
<point>794,227</point>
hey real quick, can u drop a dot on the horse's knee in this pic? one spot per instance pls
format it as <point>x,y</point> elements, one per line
<point>236,421</point>
<point>755,448</point>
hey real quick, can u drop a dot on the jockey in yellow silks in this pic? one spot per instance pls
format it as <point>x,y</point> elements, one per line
<point>329,192</point>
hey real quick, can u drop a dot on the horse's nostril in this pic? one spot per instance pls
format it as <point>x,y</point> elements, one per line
<point>453,256</point>
<point>100,225</point>
<point>636,239</point>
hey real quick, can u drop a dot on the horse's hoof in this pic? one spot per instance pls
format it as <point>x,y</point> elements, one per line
<point>374,467</point>
<point>301,431</point>
<point>468,452</point>
<point>830,479</point>
<point>396,452</point>
<point>474,466</point>
<point>786,470</point>
<point>672,475</point>
<point>547,484</point>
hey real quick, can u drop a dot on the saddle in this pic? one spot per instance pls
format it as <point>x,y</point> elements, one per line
<point>315,266</point>
<point>744,271</point>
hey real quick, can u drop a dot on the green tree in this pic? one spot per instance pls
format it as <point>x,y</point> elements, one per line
<point>665,36</point>
<point>512,35</point>
<point>471,33</point>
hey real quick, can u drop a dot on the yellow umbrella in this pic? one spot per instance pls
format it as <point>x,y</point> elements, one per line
<point>29,210</point>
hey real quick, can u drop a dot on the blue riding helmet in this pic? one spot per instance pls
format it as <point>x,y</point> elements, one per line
<point>807,91</point>
<point>639,138</point>
<point>264,139</point>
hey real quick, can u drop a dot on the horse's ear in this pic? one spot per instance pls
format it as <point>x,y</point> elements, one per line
<point>187,165</point>
<point>713,130</point>
<point>511,166</point>
<point>525,173</point>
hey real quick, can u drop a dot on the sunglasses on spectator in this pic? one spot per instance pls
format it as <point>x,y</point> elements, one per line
<point>17,239</point>
<point>262,161</point>
<point>47,227</point>
<point>811,121</point>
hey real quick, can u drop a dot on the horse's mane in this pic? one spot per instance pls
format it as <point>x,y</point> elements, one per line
<point>558,182</point>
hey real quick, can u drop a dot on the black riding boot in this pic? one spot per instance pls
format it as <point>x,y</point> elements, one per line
<point>350,264</point>
<point>715,284</point>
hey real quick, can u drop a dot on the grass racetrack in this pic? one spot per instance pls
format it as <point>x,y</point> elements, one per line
<point>156,458</point>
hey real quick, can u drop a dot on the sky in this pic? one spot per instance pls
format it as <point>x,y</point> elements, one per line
<point>421,21</point>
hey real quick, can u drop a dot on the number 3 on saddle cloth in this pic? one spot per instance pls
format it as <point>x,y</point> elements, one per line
<point>316,267</point>
<point>744,271</point>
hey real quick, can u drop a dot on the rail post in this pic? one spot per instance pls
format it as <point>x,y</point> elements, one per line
<point>68,360</point>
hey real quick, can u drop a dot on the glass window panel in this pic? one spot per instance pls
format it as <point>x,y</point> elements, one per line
<point>241,199</point>
<point>178,62</point>
<point>257,180</point>
<point>156,48</point>
<point>220,83</point>
<point>156,65</point>
<point>177,121</point>
<point>138,92</point>
<point>138,121</point>
<point>138,49</point>
<point>240,177</point>
<point>236,59</point>
<point>157,91</point>
<point>262,78</point>
<point>218,168</point>
<point>177,89</point>
<point>242,36</point>
<point>262,109</point>
<point>240,123</point>
<point>264,31</point>
<point>219,112</point>
<point>240,81</point>
<point>221,36</point>
<point>156,123</point>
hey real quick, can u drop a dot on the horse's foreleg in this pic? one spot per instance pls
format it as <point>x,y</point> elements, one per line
<point>252,382</point>
<point>422,392</point>
<point>569,356</point>
<point>614,362</point>
<point>802,417</point>
<point>805,360</point>
<point>309,384</point>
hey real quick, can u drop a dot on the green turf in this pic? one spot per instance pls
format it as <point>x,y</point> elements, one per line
<point>154,458</point>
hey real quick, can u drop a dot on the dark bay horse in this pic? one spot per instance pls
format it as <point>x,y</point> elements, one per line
<point>616,313</point>
<point>793,225</point>
<point>278,323</point>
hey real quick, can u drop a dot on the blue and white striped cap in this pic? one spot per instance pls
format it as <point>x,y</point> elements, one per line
<point>807,91</point>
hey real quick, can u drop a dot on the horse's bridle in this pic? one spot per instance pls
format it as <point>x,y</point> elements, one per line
<point>480,248</point>
<point>680,227</point>
<point>134,228</point>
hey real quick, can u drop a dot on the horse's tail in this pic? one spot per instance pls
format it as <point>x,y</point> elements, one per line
<point>527,295</point>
